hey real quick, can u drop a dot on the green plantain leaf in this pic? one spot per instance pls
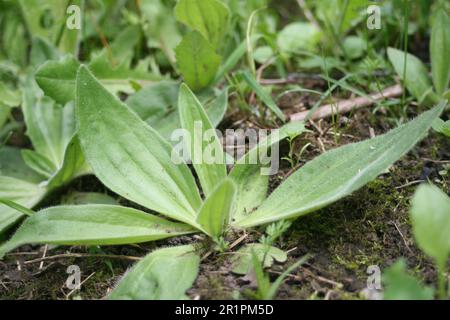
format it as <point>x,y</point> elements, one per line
<point>73,165</point>
<point>47,19</point>
<point>248,172</point>
<point>197,60</point>
<point>49,126</point>
<point>38,163</point>
<point>442,126</point>
<point>399,285</point>
<point>163,274</point>
<point>337,173</point>
<point>118,52</point>
<point>217,109</point>
<point>8,96</point>
<point>42,51</point>
<point>417,81</point>
<point>157,104</point>
<point>57,79</point>
<point>214,215</point>
<point>430,215</point>
<point>13,40</point>
<point>112,66</point>
<point>298,36</point>
<point>209,17</point>
<point>24,193</point>
<point>130,157</point>
<point>44,17</point>
<point>210,166</point>
<point>440,51</point>
<point>92,225</point>
<point>160,28</point>
<point>12,165</point>
<point>80,198</point>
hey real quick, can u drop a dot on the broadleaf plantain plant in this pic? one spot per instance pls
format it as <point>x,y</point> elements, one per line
<point>134,161</point>
<point>27,176</point>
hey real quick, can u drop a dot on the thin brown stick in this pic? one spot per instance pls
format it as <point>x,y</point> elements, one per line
<point>238,241</point>
<point>345,106</point>
<point>403,237</point>
<point>41,265</point>
<point>206,256</point>
<point>311,274</point>
<point>82,255</point>
<point>409,184</point>
<point>436,161</point>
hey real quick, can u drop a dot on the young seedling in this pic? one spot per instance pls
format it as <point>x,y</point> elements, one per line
<point>430,217</point>
<point>442,127</point>
<point>267,290</point>
<point>132,159</point>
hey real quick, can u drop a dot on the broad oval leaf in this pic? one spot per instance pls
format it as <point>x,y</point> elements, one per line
<point>399,285</point>
<point>337,173</point>
<point>214,215</point>
<point>57,79</point>
<point>112,66</point>
<point>298,36</point>
<point>209,17</point>
<point>195,121</point>
<point>442,126</point>
<point>38,163</point>
<point>9,97</point>
<point>129,156</point>
<point>12,165</point>
<point>197,60</point>
<point>42,51</point>
<point>430,214</point>
<point>93,225</point>
<point>416,81</point>
<point>73,165</point>
<point>164,274</point>
<point>49,126</point>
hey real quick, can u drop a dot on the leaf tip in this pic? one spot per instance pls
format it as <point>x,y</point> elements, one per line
<point>82,71</point>
<point>185,88</point>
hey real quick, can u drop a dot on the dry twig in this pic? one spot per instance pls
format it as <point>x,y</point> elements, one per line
<point>345,106</point>
<point>82,255</point>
